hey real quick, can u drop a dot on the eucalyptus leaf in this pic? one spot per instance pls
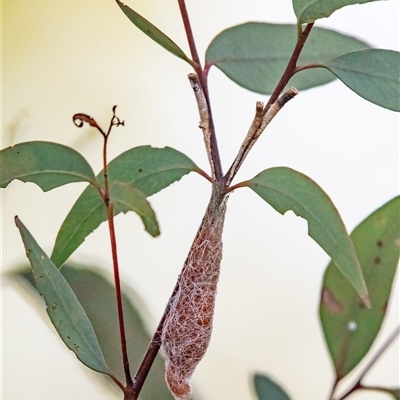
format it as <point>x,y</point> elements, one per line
<point>153,32</point>
<point>63,308</point>
<point>373,74</point>
<point>349,328</point>
<point>267,389</point>
<point>148,169</point>
<point>254,55</point>
<point>285,189</point>
<point>47,164</point>
<point>88,212</point>
<point>310,10</point>
<point>95,291</point>
<point>125,197</point>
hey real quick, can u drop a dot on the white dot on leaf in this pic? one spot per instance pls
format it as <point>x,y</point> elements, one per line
<point>352,326</point>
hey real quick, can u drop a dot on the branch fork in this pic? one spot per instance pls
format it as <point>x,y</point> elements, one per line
<point>260,122</point>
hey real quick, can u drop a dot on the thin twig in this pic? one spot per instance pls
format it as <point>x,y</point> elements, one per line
<point>202,76</point>
<point>260,122</point>
<point>117,280</point>
<point>289,71</point>
<point>273,104</point>
<point>358,385</point>
<point>189,34</point>
<point>79,119</point>
<point>204,117</point>
<point>215,156</point>
<point>113,241</point>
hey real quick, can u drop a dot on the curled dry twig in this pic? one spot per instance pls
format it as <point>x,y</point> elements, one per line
<point>80,118</point>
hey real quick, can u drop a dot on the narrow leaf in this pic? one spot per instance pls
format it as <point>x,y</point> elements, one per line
<point>373,74</point>
<point>63,308</point>
<point>285,189</point>
<point>350,328</point>
<point>148,169</point>
<point>47,164</point>
<point>254,55</point>
<point>96,293</point>
<point>310,10</point>
<point>267,389</point>
<point>88,212</point>
<point>126,197</point>
<point>153,32</point>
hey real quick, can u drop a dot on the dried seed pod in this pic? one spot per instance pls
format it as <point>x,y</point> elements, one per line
<point>188,325</point>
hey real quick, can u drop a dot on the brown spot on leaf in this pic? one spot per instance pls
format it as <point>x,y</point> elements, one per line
<point>330,302</point>
<point>140,170</point>
<point>384,307</point>
<point>377,260</point>
<point>379,243</point>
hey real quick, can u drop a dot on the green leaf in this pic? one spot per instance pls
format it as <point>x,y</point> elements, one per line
<point>266,389</point>
<point>153,32</point>
<point>148,169</point>
<point>96,293</point>
<point>373,74</point>
<point>63,308</point>
<point>47,164</point>
<point>310,10</point>
<point>88,212</point>
<point>285,189</point>
<point>349,328</point>
<point>254,55</point>
<point>126,197</point>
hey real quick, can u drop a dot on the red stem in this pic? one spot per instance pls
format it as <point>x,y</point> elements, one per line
<point>111,228</point>
<point>203,80</point>
<point>290,69</point>
<point>189,35</point>
<point>117,280</point>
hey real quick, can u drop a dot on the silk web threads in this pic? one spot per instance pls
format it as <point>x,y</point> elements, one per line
<point>188,325</point>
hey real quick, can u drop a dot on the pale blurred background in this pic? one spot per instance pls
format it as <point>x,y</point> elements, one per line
<point>64,57</point>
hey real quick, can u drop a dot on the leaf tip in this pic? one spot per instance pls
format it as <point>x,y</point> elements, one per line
<point>367,301</point>
<point>17,221</point>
